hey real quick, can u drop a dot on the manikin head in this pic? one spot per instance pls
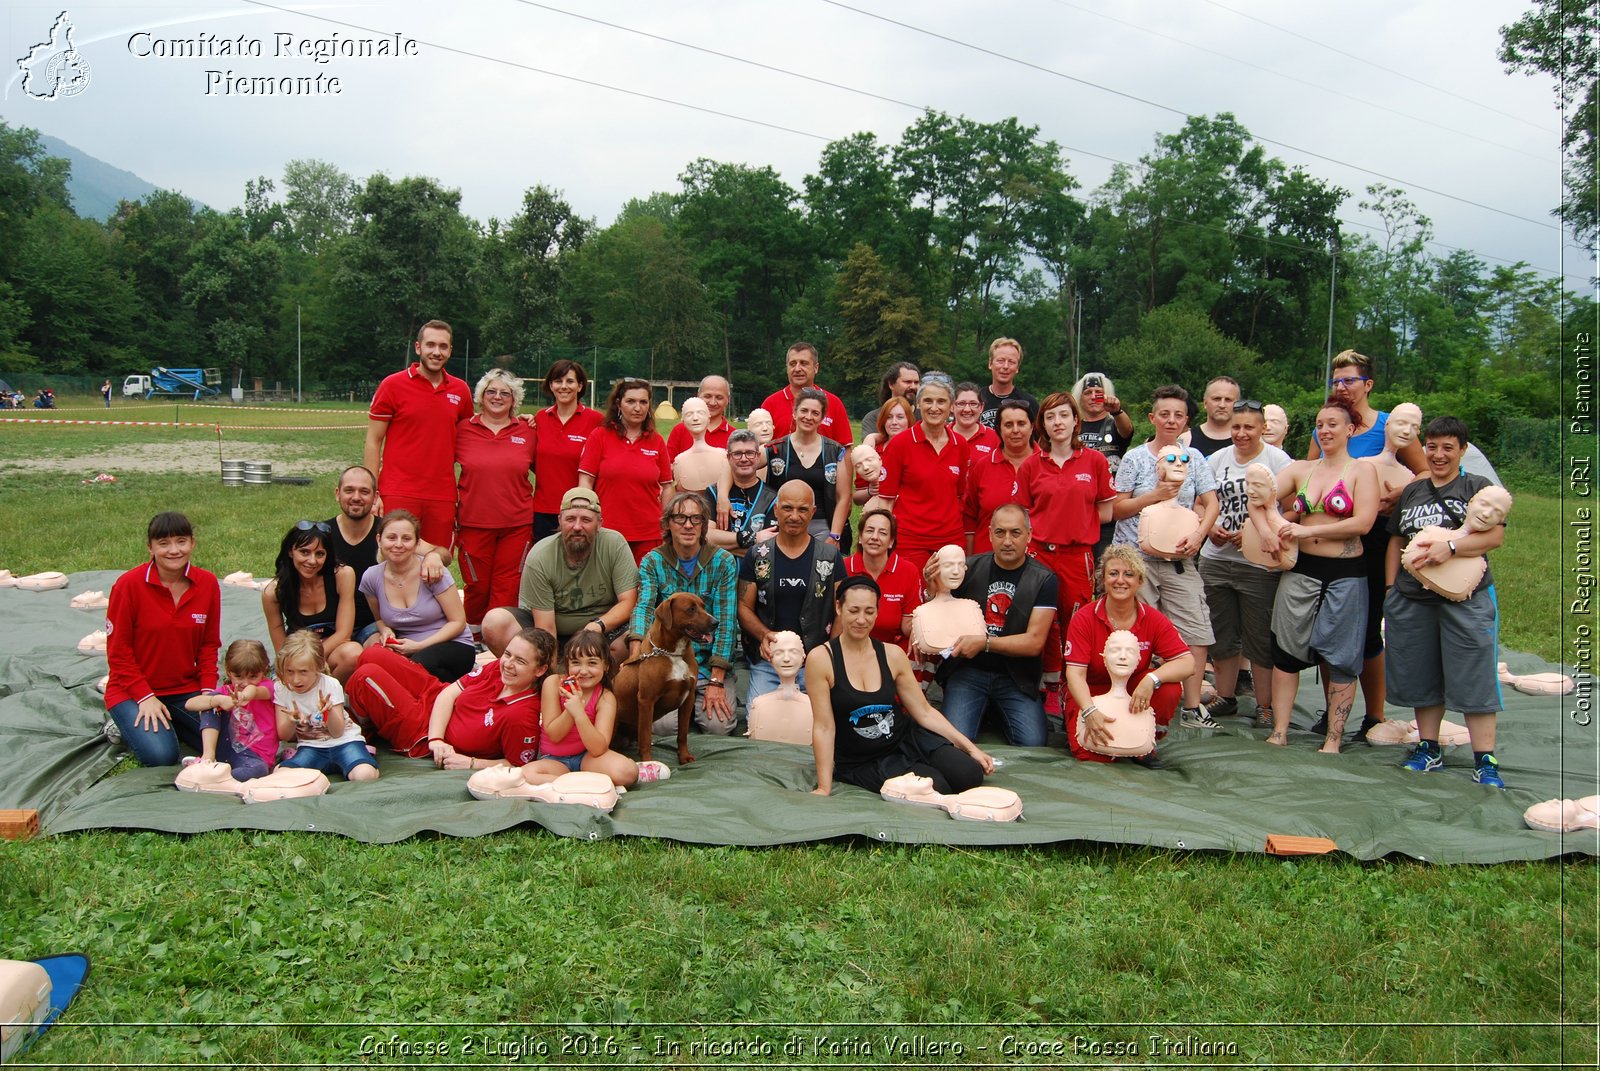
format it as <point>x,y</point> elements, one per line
<point>1277,425</point>
<point>1260,485</point>
<point>1405,421</point>
<point>946,569</point>
<point>1121,655</point>
<point>1488,508</point>
<point>760,422</point>
<point>869,466</point>
<point>788,656</point>
<point>1172,465</point>
<point>696,417</point>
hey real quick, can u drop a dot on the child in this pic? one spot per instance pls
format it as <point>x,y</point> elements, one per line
<point>310,707</point>
<point>577,714</point>
<point>250,745</point>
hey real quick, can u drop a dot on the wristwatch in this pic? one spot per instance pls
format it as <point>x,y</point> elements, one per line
<point>1451,543</point>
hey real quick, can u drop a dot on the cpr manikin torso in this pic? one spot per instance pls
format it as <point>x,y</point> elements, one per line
<point>1277,425</point>
<point>1131,734</point>
<point>1261,491</point>
<point>783,715</point>
<point>1457,577</point>
<point>1399,432</point>
<point>286,782</point>
<point>702,465</point>
<point>937,624</point>
<point>869,470</point>
<point>1166,524</point>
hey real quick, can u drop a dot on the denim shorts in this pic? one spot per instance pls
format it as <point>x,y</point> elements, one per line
<point>362,635</point>
<point>346,756</point>
<point>571,762</point>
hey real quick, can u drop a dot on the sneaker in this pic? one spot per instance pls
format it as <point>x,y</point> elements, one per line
<point>1223,706</point>
<point>1423,760</point>
<point>1367,725</point>
<point>1198,718</point>
<point>1487,772</point>
<point>651,770</point>
<point>1151,761</point>
<point>1263,718</point>
<point>1320,726</point>
<point>112,734</point>
<point>1052,701</point>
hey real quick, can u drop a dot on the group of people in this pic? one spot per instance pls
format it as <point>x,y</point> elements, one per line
<point>1042,502</point>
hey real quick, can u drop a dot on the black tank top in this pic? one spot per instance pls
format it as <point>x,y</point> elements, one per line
<point>866,724</point>
<point>323,621</point>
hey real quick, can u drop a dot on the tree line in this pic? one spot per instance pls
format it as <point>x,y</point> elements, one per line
<point>1206,255</point>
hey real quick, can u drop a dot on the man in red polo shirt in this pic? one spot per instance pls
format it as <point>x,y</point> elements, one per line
<point>416,464</point>
<point>715,392</point>
<point>802,363</point>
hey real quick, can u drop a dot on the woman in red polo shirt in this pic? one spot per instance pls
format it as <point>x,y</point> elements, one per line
<point>925,475</point>
<point>626,464</point>
<point>488,716</point>
<point>898,580</point>
<point>562,431</point>
<point>1067,492</point>
<point>163,632</point>
<point>494,514</point>
<point>992,480</point>
<point>967,421</point>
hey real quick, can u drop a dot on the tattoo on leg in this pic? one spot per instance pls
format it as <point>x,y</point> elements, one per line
<point>1341,697</point>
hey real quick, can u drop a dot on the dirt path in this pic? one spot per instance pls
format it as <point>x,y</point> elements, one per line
<point>194,458</point>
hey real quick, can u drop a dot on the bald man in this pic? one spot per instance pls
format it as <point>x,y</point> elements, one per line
<point>715,392</point>
<point>786,585</point>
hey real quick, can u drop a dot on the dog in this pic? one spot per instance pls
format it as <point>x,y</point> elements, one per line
<point>662,676</point>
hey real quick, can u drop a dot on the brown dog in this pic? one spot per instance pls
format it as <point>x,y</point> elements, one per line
<point>662,676</point>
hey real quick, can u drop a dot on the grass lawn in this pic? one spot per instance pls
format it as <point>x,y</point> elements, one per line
<point>1319,961</point>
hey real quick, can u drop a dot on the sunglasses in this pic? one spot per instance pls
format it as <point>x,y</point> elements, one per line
<point>320,527</point>
<point>1249,405</point>
<point>1172,455</point>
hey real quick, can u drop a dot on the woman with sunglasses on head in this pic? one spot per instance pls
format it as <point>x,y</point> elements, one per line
<point>1172,585</point>
<point>805,454</point>
<point>1239,593</point>
<point>992,480</point>
<point>310,590</point>
<point>562,430</point>
<point>1320,612</point>
<point>494,514</point>
<point>626,464</point>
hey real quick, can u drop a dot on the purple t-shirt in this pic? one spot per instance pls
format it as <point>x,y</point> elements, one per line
<point>419,620</point>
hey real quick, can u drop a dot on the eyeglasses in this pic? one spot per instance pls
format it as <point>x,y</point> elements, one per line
<point>312,526</point>
<point>1347,381</point>
<point>1172,455</point>
<point>1249,405</point>
<point>685,518</point>
<point>744,455</point>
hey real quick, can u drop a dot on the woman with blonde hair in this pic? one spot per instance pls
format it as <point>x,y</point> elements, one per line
<point>494,514</point>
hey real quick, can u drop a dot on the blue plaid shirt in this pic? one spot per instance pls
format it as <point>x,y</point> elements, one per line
<point>715,580</point>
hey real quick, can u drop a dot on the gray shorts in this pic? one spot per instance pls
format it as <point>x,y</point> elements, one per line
<point>1321,618</point>
<point>1422,638</point>
<point>1179,595</point>
<point>1239,596</point>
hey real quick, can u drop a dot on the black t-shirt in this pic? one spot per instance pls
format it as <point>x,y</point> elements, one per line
<point>783,465</point>
<point>1102,435</point>
<point>360,557</point>
<point>991,404</point>
<point>793,574</point>
<point>996,603</point>
<point>1422,504</point>
<point>1205,443</point>
<point>750,508</point>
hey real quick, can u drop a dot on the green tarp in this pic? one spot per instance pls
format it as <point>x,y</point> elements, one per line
<point>1222,790</point>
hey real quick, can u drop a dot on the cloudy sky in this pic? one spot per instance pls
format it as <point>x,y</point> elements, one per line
<point>502,94</point>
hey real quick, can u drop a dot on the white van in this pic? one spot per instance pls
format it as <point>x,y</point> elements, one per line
<point>136,386</point>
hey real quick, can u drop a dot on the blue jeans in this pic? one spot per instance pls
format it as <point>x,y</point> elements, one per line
<point>967,692</point>
<point>346,756</point>
<point>764,679</point>
<point>159,746</point>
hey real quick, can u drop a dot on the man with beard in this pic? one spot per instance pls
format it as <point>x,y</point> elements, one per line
<point>353,540</point>
<point>1004,663</point>
<point>583,577</point>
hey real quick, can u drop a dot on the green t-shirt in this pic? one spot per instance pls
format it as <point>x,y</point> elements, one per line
<point>577,596</point>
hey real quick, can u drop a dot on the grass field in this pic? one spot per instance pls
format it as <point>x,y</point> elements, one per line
<point>1311,962</point>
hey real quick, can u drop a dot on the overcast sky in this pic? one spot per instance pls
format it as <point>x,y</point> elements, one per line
<point>492,102</point>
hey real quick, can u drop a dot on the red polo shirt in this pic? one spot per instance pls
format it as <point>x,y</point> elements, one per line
<point>494,487</point>
<point>419,449</point>
<point>927,486</point>
<point>628,478</point>
<point>835,421</point>
<point>901,584</point>
<point>982,443</point>
<point>555,469</point>
<point>991,483</point>
<point>679,439</point>
<point>1061,499</point>
<point>1086,643</point>
<point>486,725</point>
<point>155,646</point>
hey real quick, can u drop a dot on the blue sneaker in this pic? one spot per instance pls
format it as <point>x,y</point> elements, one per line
<point>1487,772</point>
<point>1423,759</point>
